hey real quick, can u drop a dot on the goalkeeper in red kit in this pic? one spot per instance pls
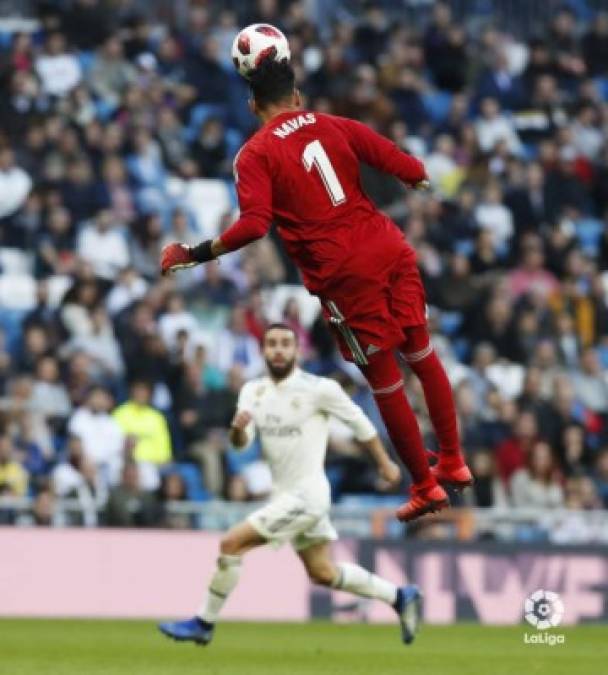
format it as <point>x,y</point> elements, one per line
<point>300,170</point>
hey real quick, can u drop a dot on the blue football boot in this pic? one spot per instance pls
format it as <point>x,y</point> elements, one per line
<point>191,630</point>
<point>408,606</point>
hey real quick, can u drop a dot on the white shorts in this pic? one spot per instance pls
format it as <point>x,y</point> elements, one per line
<point>290,518</point>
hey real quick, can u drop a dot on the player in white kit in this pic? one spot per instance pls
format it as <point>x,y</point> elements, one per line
<point>290,409</point>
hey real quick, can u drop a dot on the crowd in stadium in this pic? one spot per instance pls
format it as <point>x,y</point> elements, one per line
<point>117,135</point>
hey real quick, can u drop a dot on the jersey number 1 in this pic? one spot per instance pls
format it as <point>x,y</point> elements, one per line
<point>314,155</point>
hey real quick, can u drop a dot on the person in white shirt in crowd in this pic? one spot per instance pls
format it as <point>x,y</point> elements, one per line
<point>58,70</point>
<point>99,344</point>
<point>236,345</point>
<point>492,215</point>
<point>492,127</point>
<point>587,135</point>
<point>175,320</point>
<point>102,438</point>
<point>127,289</point>
<point>291,411</point>
<point>75,478</point>
<point>49,395</point>
<point>103,245</point>
<point>15,183</point>
<point>590,382</point>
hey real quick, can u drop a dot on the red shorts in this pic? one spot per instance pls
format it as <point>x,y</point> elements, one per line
<point>379,307</point>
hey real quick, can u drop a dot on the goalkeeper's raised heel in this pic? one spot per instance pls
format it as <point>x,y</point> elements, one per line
<point>456,475</point>
<point>423,501</point>
<point>408,606</point>
<point>191,630</point>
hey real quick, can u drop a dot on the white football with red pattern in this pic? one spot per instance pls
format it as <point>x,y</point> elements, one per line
<point>256,43</point>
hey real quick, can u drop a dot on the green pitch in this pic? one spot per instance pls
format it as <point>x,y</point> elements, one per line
<point>32,647</point>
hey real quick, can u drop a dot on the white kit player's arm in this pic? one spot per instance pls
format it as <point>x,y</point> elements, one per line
<point>332,399</point>
<point>335,401</point>
<point>242,428</point>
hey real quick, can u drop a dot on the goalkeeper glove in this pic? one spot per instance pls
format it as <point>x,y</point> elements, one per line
<point>177,256</point>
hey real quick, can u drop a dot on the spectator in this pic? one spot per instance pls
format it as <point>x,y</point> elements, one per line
<point>129,505</point>
<point>76,478</point>
<point>513,453</point>
<point>128,288</point>
<point>81,194</point>
<point>204,414</point>
<point>601,478</point>
<point>116,190</point>
<point>499,83</point>
<point>111,73</point>
<point>146,428</point>
<point>210,150</point>
<point>175,320</point>
<point>59,71</point>
<point>491,214</point>
<point>146,244</point>
<point>55,254</point>
<point>15,183</point>
<point>173,489</point>
<point>13,477</point>
<point>531,275</point>
<point>217,289</point>
<point>488,490</point>
<point>595,46</point>
<point>236,346</point>
<point>492,127</point>
<point>100,345</point>
<point>291,317</point>
<point>537,485</point>
<point>49,394</point>
<point>591,383</point>
<point>101,244</point>
<point>103,441</point>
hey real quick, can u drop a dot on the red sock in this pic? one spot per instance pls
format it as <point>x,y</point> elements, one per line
<point>386,381</point>
<point>421,358</point>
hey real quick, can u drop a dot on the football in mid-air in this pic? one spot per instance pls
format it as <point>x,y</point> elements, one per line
<point>255,44</point>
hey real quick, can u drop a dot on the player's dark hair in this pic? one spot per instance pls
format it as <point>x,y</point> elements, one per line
<point>272,82</point>
<point>280,326</point>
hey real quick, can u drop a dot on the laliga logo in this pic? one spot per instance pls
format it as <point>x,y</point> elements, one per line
<point>544,609</point>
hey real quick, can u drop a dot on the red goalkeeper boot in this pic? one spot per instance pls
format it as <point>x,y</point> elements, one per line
<point>452,472</point>
<point>429,500</point>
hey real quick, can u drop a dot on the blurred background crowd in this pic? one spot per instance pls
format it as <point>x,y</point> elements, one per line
<point>119,121</point>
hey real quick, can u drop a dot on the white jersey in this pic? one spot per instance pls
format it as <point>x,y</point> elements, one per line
<point>292,419</point>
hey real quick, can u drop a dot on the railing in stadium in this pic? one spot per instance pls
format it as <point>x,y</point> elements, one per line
<point>559,526</point>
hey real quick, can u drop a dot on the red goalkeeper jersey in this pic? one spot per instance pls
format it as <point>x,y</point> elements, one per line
<point>301,171</point>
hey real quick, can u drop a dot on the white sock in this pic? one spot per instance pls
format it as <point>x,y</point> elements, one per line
<point>222,583</point>
<point>359,581</point>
